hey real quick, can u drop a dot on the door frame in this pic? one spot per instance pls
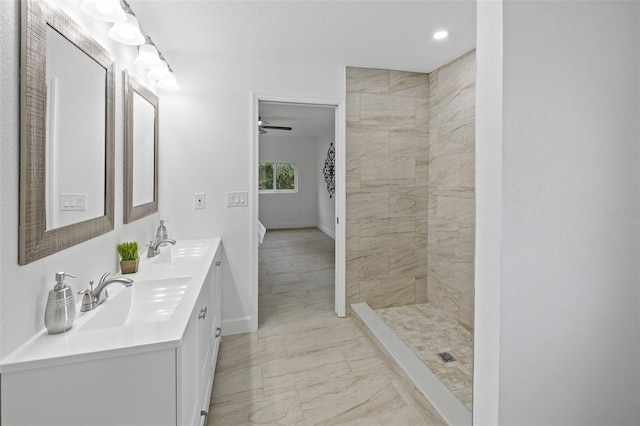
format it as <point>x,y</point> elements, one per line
<point>340,191</point>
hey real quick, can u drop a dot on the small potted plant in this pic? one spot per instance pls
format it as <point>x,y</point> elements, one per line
<point>129,257</point>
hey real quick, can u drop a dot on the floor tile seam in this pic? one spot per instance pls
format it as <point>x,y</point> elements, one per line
<point>305,415</point>
<point>293,359</point>
<point>287,333</point>
<point>304,287</point>
<point>284,293</point>
<point>250,399</point>
<point>237,401</point>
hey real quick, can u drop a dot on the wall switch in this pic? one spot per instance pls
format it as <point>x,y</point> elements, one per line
<point>73,202</point>
<point>237,199</point>
<point>200,200</point>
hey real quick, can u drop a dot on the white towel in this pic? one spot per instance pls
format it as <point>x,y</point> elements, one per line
<point>261,231</point>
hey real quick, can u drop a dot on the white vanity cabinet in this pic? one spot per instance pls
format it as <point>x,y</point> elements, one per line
<point>155,374</point>
<point>197,356</point>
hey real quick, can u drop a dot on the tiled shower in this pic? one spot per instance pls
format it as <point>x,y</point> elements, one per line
<point>411,207</point>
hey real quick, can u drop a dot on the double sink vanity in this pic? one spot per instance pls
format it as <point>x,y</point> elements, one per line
<point>145,356</point>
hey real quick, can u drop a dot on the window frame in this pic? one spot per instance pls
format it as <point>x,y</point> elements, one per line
<point>275,174</point>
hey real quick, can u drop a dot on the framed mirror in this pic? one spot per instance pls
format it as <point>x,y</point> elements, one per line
<point>140,150</point>
<point>67,91</point>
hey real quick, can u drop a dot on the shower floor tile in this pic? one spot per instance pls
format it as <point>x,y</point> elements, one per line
<point>427,333</point>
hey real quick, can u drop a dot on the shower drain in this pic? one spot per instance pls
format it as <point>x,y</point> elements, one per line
<point>446,357</point>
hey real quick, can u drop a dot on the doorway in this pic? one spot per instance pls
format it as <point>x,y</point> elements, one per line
<point>300,196</point>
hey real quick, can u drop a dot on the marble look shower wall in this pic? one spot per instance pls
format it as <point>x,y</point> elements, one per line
<point>451,216</point>
<point>387,194</point>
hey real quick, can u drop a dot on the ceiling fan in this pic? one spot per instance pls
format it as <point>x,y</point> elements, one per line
<point>262,125</point>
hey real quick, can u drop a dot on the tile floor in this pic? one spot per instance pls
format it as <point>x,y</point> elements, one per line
<point>304,366</point>
<point>427,332</point>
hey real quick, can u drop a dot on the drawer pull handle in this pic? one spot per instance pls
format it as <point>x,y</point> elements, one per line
<point>218,332</point>
<point>203,313</point>
<point>206,416</point>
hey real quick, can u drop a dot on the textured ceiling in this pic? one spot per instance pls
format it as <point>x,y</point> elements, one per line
<point>305,120</point>
<point>374,34</point>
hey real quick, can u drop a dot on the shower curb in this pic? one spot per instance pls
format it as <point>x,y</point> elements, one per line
<point>440,402</point>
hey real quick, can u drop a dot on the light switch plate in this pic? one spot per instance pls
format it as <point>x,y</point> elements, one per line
<point>199,200</point>
<point>237,199</point>
<point>73,202</point>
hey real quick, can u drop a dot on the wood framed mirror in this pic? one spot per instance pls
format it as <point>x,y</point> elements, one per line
<point>140,150</point>
<point>67,129</point>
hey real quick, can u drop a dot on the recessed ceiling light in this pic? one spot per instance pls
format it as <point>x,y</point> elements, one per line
<point>440,35</point>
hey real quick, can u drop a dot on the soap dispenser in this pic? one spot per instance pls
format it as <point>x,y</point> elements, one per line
<point>61,308</point>
<point>162,234</point>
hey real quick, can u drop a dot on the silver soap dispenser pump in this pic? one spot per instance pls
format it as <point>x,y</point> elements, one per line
<point>61,308</point>
<point>162,234</point>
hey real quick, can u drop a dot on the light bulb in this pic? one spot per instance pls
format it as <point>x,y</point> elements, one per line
<point>127,32</point>
<point>159,72</point>
<point>147,56</point>
<point>169,82</point>
<point>440,35</point>
<point>104,6</point>
<point>104,10</point>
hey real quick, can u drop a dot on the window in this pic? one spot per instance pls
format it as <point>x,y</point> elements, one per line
<point>277,177</point>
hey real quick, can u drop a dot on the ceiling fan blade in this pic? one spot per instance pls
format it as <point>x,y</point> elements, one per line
<point>277,127</point>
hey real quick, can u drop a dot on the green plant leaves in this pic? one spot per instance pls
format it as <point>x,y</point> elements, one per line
<point>128,250</point>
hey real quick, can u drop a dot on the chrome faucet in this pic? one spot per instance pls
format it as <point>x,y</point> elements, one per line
<point>92,298</point>
<point>154,246</point>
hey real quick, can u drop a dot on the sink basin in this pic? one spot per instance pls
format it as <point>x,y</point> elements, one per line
<point>181,252</point>
<point>146,301</point>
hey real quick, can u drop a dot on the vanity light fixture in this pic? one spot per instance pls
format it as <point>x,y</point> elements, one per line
<point>148,55</point>
<point>127,32</point>
<point>104,10</point>
<point>440,35</point>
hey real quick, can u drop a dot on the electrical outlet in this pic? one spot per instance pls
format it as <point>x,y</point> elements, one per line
<point>200,200</point>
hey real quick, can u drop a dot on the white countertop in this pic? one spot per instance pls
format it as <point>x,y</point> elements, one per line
<point>76,345</point>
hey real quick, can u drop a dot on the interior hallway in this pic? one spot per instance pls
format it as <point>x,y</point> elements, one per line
<point>304,366</point>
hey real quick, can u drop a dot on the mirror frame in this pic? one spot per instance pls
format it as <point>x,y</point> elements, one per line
<point>35,241</point>
<point>131,212</point>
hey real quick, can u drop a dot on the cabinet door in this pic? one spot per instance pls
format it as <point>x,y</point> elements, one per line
<point>188,374</point>
<point>199,349</point>
<point>192,356</point>
<point>217,302</point>
<point>205,346</point>
<point>137,389</point>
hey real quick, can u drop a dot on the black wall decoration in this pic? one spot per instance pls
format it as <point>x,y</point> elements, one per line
<point>329,170</point>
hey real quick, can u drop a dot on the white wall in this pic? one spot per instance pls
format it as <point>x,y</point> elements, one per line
<point>206,147</point>
<point>291,210</point>
<point>569,341</point>
<point>24,289</point>
<point>326,205</point>
<point>486,340</point>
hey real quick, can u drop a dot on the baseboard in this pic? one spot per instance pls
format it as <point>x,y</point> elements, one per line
<point>289,225</point>
<point>330,233</point>
<point>236,326</point>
